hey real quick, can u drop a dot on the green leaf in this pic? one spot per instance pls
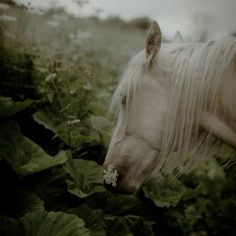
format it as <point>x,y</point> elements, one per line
<point>69,131</point>
<point>103,126</point>
<point>11,227</point>
<point>84,177</point>
<point>51,186</point>
<point>101,223</point>
<point>93,218</point>
<point>208,177</point>
<point>41,161</point>
<point>22,154</point>
<point>165,193</point>
<point>118,204</point>
<point>9,107</point>
<point>128,225</point>
<point>211,176</point>
<point>48,121</point>
<point>25,201</point>
<point>41,223</point>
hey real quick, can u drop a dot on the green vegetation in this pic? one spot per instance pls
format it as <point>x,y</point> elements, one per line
<point>56,83</point>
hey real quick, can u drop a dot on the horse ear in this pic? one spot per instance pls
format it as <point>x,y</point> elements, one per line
<point>178,38</point>
<point>153,43</point>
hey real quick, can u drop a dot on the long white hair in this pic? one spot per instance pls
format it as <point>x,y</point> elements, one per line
<point>201,73</point>
<point>198,75</point>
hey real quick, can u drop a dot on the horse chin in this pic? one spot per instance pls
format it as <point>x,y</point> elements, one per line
<point>132,184</point>
<point>129,188</point>
<point>127,173</point>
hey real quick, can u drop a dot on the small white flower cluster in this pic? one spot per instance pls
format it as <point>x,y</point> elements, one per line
<point>110,176</point>
<point>50,77</point>
<point>73,122</point>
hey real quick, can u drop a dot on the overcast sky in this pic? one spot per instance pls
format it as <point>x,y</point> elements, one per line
<point>218,17</point>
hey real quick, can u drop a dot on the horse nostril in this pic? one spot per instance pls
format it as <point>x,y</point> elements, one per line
<point>110,179</point>
<point>110,187</point>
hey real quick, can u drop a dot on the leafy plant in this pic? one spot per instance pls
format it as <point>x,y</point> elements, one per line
<point>84,177</point>
<point>54,135</point>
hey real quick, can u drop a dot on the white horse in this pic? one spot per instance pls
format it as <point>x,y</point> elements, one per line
<point>173,101</point>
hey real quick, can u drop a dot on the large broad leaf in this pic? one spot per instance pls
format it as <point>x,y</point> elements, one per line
<point>47,120</point>
<point>24,201</point>
<point>208,178</point>
<point>165,193</point>
<point>9,107</point>
<point>42,223</point>
<point>102,224</point>
<point>128,225</point>
<point>52,188</point>
<point>93,218</point>
<point>84,177</point>
<point>119,204</point>
<point>22,154</point>
<point>11,227</point>
<point>68,130</point>
<point>103,126</point>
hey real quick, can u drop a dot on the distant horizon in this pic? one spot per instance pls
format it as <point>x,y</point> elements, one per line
<point>215,18</point>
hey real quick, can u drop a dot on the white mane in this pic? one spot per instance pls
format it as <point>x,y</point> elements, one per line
<point>130,81</point>
<point>198,73</point>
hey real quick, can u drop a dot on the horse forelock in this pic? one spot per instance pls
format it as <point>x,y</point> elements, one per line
<point>197,74</point>
<point>130,81</point>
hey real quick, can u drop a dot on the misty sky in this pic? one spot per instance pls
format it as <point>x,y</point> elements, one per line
<point>217,17</point>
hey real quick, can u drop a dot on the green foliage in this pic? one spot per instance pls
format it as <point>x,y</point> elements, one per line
<point>107,214</point>
<point>93,218</point>
<point>27,201</point>
<point>54,134</point>
<point>23,155</point>
<point>128,225</point>
<point>43,223</point>
<point>9,107</point>
<point>166,193</point>
<point>84,177</point>
<point>11,227</point>
<point>102,125</point>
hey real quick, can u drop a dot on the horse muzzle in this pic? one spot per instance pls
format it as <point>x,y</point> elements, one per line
<point>113,182</point>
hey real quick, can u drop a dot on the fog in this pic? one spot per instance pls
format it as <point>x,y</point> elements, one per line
<point>215,18</point>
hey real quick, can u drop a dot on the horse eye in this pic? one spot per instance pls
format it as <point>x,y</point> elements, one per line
<point>123,100</point>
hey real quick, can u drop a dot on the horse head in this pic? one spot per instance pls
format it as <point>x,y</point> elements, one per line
<point>136,140</point>
<point>171,99</point>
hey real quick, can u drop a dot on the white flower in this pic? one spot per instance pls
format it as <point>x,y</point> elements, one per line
<point>110,176</point>
<point>50,77</point>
